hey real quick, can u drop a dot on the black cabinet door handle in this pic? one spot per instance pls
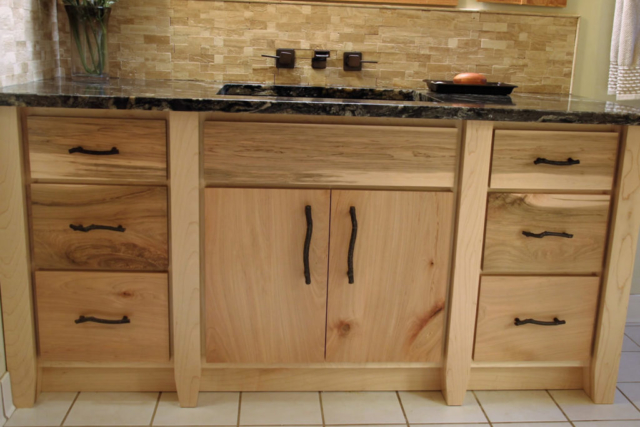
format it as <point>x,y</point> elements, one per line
<point>547,234</point>
<point>307,244</point>
<point>568,162</point>
<point>555,322</point>
<point>81,150</point>
<point>352,242</point>
<point>88,228</point>
<point>85,319</point>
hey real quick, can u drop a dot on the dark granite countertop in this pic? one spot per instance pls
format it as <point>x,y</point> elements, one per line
<point>203,96</point>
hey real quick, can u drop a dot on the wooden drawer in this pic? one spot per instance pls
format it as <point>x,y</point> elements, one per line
<point>516,152</point>
<point>63,297</point>
<point>141,146</point>
<point>504,299</point>
<point>141,211</point>
<point>287,154</point>
<point>508,250</point>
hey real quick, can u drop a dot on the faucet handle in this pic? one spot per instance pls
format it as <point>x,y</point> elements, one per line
<point>353,61</point>
<point>285,58</point>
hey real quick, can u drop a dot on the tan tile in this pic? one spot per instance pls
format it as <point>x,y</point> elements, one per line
<point>112,409</point>
<point>430,407</point>
<point>579,407</point>
<point>361,408</point>
<point>273,408</point>
<point>49,410</point>
<point>519,406</point>
<point>214,409</point>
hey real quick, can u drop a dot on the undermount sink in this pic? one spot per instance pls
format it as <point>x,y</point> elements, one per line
<point>324,92</point>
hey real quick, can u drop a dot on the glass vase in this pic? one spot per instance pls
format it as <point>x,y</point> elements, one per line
<point>89,40</point>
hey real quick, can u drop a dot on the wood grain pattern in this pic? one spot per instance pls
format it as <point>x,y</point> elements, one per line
<point>472,193</point>
<point>505,298</point>
<point>15,268</point>
<point>184,160</point>
<point>62,297</point>
<point>526,378</point>
<point>289,154</point>
<point>507,250</point>
<point>105,379</point>
<point>550,3</point>
<point>142,211</point>
<point>394,310</point>
<point>142,145</point>
<point>258,307</point>
<point>601,378</point>
<point>514,153</point>
<point>420,2</point>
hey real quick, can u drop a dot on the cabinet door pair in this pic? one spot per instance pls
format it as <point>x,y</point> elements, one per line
<point>259,307</point>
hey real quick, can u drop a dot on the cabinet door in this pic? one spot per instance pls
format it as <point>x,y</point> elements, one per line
<point>394,309</point>
<point>259,308</point>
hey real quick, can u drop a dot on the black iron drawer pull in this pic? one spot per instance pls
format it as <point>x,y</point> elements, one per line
<point>84,229</point>
<point>85,319</point>
<point>556,322</point>
<point>81,150</point>
<point>352,242</point>
<point>547,234</point>
<point>568,162</point>
<point>307,244</point>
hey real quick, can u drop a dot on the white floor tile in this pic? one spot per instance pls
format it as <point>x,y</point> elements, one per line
<point>447,425</point>
<point>214,409</point>
<point>362,407</point>
<point>532,425</point>
<point>430,407</point>
<point>280,408</point>
<point>519,406</point>
<point>112,409</point>
<point>629,345</point>
<point>49,410</point>
<point>579,407</point>
<point>608,424</point>
<point>629,368</point>
<point>632,391</point>
<point>633,332</point>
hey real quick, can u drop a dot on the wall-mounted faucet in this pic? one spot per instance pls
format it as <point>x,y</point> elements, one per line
<point>353,61</point>
<point>319,60</point>
<point>285,58</point>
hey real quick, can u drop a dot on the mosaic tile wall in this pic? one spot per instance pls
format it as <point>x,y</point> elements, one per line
<point>222,41</point>
<point>28,40</point>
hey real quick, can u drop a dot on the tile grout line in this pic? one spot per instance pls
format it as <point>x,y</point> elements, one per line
<point>239,408</point>
<point>155,409</point>
<point>404,413</point>
<point>559,407</point>
<point>632,340</point>
<point>321,409</point>
<point>475,396</point>
<point>70,408</point>
<point>627,397</point>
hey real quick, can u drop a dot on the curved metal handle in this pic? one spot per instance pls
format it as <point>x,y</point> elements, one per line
<point>569,162</point>
<point>352,242</point>
<point>556,322</point>
<point>83,319</point>
<point>307,244</point>
<point>547,234</point>
<point>84,229</point>
<point>81,150</point>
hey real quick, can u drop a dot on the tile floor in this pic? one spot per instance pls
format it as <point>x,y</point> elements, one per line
<point>362,409</point>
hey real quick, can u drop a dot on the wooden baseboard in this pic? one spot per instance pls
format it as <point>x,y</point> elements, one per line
<point>308,379</point>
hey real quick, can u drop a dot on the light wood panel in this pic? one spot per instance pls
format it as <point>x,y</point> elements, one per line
<point>602,377</point>
<point>104,379</point>
<point>290,154</point>
<point>550,3</point>
<point>394,311</point>
<point>62,297</point>
<point>515,151</point>
<point>258,307</point>
<point>507,250</point>
<point>142,146</point>
<point>184,143</point>
<point>505,298</point>
<point>472,191</point>
<point>526,378</point>
<point>142,211</point>
<point>15,269</point>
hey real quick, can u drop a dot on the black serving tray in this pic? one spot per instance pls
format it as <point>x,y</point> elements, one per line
<point>447,86</point>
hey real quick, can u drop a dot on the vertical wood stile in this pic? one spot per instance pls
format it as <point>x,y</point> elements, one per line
<point>601,377</point>
<point>473,185</point>
<point>184,170</point>
<point>15,270</point>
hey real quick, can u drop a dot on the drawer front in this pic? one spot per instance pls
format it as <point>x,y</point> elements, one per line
<point>141,149</point>
<point>63,297</point>
<point>140,211</point>
<point>508,250</point>
<point>287,154</point>
<point>504,299</point>
<point>523,160</point>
